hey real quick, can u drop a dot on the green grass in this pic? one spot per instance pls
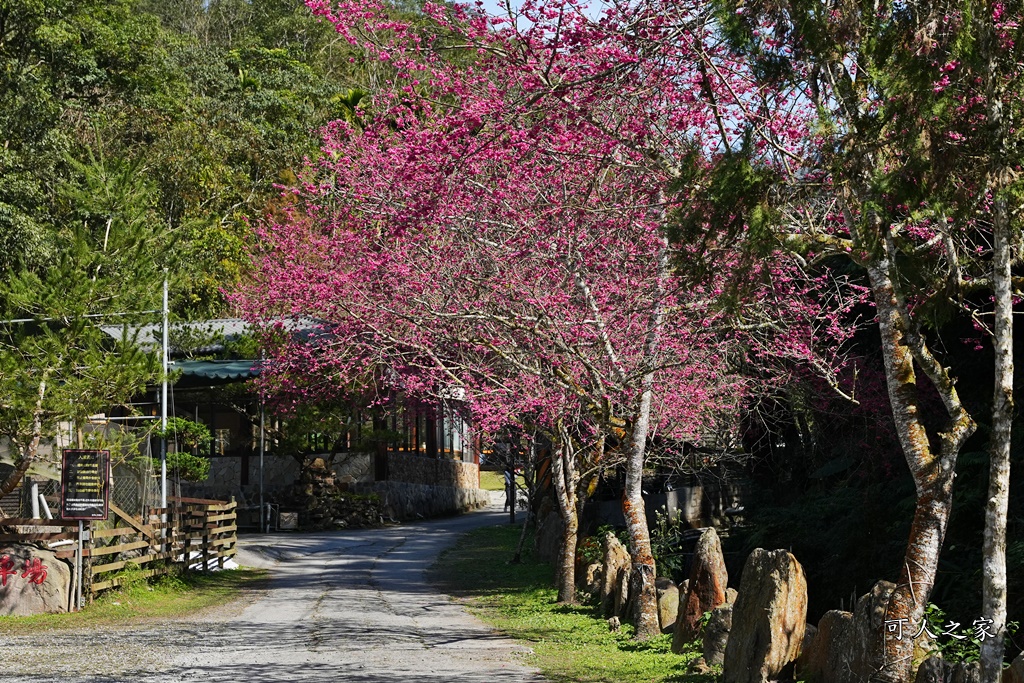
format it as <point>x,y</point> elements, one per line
<point>569,643</point>
<point>138,601</point>
<point>492,481</point>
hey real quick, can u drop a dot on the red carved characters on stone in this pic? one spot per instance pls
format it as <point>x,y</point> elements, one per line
<point>6,569</point>
<point>34,571</point>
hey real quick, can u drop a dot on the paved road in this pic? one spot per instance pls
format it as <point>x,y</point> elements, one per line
<point>341,606</point>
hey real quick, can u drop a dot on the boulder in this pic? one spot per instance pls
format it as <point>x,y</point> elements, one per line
<point>848,648</point>
<point>809,632</point>
<point>932,670</point>
<point>937,670</point>
<point>616,563</point>
<point>621,605</point>
<point>869,617</point>
<point>768,618</point>
<point>706,591</point>
<point>965,672</point>
<point>33,581</point>
<point>592,578</point>
<point>699,667</point>
<point>668,603</point>
<point>1015,674</point>
<point>925,647</point>
<point>827,655</point>
<point>716,634</point>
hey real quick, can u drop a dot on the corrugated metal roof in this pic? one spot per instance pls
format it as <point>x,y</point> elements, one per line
<point>217,369</point>
<point>148,337</point>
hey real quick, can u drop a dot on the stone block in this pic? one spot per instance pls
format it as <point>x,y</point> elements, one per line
<point>768,618</point>
<point>33,581</point>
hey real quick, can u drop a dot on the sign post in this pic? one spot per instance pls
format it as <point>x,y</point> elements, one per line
<point>85,484</point>
<point>85,496</point>
<point>79,565</point>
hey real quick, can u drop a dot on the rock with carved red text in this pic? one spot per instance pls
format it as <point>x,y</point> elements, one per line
<point>706,591</point>
<point>617,566</point>
<point>668,603</point>
<point>33,581</point>
<point>768,618</point>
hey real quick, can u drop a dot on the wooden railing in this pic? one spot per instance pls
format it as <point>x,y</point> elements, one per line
<point>109,550</point>
<point>51,531</point>
<point>193,532</point>
<point>207,528</point>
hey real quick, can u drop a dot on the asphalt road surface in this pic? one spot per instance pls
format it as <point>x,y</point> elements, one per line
<point>340,606</point>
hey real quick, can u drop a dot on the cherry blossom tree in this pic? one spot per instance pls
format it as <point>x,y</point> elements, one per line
<point>500,223</point>
<point>819,129</point>
<point>544,294</point>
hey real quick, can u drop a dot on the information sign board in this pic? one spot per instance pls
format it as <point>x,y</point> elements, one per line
<point>85,484</point>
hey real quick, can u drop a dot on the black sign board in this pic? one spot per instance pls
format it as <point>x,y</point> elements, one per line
<point>85,484</point>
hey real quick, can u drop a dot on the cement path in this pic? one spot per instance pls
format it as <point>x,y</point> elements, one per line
<point>341,606</point>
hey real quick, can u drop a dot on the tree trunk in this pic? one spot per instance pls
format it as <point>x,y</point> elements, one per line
<point>917,577</point>
<point>993,566</point>
<point>517,556</point>
<point>933,473</point>
<point>641,581</point>
<point>564,477</point>
<point>531,498</point>
<point>1000,63</point>
<point>28,455</point>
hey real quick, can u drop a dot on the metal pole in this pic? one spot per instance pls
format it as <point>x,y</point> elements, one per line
<point>163,407</point>
<point>264,522</point>
<point>79,568</point>
<point>45,507</point>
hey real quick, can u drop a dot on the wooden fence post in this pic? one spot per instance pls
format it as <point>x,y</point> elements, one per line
<point>220,546</point>
<point>173,528</point>
<point>206,537</point>
<point>186,547</point>
<point>87,573</point>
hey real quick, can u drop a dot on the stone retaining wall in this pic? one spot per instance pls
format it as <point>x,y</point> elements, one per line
<point>417,486</point>
<point>404,500</point>
<point>279,472</point>
<point>418,469</point>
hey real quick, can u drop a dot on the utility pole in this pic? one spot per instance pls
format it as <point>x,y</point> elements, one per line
<point>264,516</point>
<point>163,406</point>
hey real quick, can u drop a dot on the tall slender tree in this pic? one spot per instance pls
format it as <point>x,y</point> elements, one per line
<point>914,104</point>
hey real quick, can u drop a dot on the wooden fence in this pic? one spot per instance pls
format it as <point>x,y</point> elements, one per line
<point>193,532</point>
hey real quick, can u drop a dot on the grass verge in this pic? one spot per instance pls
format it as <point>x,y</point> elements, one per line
<point>569,643</point>
<point>167,597</point>
<point>492,481</point>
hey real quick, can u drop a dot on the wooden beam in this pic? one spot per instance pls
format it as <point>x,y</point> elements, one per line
<point>144,528</point>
